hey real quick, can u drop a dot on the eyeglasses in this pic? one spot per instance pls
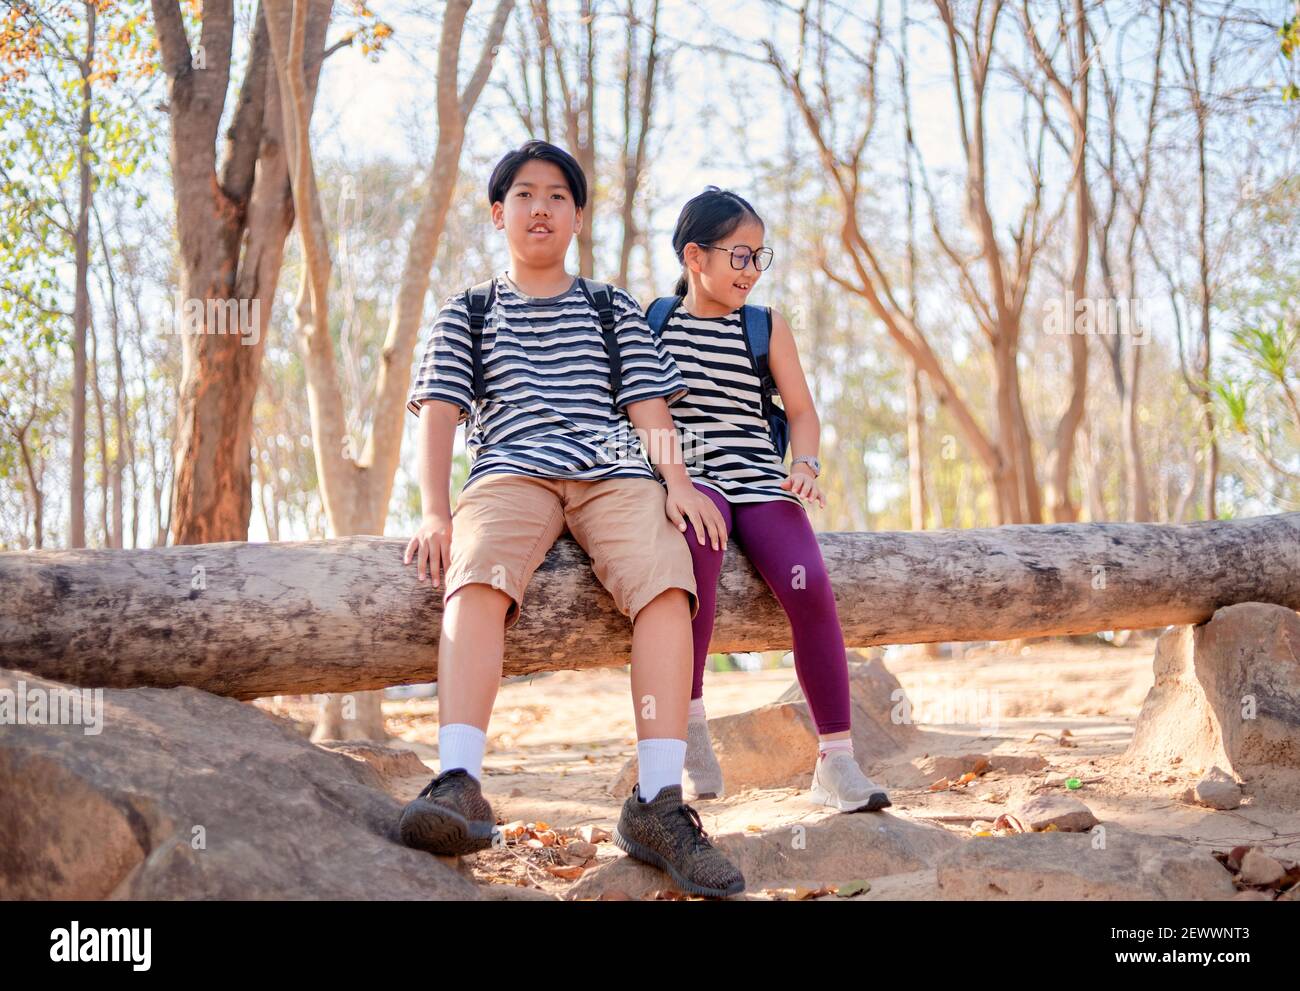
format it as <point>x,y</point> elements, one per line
<point>742,253</point>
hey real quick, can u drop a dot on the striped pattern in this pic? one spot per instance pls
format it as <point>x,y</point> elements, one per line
<point>548,410</point>
<point>725,437</point>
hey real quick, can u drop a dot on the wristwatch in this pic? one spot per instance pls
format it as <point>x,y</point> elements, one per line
<point>811,460</point>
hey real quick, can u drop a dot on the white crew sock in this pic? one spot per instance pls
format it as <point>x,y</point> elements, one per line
<point>659,765</point>
<point>826,747</point>
<point>696,709</point>
<point>462,745</point>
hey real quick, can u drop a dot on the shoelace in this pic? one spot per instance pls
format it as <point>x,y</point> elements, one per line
<point>432,786</point>
<point>699,838</point>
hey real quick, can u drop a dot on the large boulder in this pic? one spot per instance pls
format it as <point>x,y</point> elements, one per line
<point>834,849</point>
<point>1108,864</point>
<point>187,795</point>
<point>775,745</point>
<point>1227,693</point>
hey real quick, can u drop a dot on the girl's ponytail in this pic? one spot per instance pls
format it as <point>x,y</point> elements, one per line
<point>706,218</point>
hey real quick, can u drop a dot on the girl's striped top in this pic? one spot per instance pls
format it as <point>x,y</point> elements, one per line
<point>725,438</point>
<point>548,411</point>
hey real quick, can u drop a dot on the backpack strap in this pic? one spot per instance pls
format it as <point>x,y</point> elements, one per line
<point>659,312</point>
<point>757,321</point>
<point>601,298</point>
<point>478,301</point>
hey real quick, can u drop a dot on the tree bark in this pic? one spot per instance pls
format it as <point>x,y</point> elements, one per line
<point>248,620</point>
<point>232,225</point>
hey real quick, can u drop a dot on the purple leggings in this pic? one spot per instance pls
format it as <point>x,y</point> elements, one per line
<point>777,537</point>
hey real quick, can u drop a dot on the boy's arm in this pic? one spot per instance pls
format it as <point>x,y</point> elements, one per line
<point>442,396</point>
<point>651,380</point>
<point>436,435</point>
<point>654,425</point>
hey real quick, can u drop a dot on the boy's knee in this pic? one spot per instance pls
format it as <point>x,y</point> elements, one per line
<point>479,599</point>
<point>668,601</point>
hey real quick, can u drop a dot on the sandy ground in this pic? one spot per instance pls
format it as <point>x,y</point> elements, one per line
<point>558,741</point>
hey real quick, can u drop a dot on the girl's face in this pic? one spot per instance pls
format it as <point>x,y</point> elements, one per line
<point>717,277</point>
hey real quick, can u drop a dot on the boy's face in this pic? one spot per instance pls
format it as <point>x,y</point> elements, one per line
<point>538,215</point>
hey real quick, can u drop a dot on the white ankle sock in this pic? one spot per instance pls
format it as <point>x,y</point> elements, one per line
<point>659,765</point>
<point>828,746</point>
<point>462,745</point>
<point>696,710</point>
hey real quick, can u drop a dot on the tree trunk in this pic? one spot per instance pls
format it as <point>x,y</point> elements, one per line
<point>232,227</point>
<point>249,620</point>
<point>356,491</point>
<point>915,445</point>
<point>81,303</point>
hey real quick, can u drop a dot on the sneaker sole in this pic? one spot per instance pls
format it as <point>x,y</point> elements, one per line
<point>878,800</point>
<point>645,855</point>
<point>439,830</point>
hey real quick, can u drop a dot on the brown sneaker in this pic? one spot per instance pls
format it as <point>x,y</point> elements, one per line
<point>667,833</point>
<point>449,817</point>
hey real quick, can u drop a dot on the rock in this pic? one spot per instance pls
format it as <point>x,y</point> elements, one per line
<point>1061,866</point>
<point>390,763</point>
<point>836,848</point>
<point>188,795</point>
<point>514,893</point>
<point>775,745</point>
<point>1258,867</point>
<point>593,834</point>
<point>1218,790</point>
<point>880,721</point>
<point>921,772</point>
<point>1252,896</point>
<point>1065,812</point>
<point>580,850</point>
<point>1227,693</point>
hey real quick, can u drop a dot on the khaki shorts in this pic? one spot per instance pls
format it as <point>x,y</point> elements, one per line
<point>504,525</point>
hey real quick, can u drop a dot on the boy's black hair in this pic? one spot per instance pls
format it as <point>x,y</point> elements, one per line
<point>706,218</point>
<point>504,173</point>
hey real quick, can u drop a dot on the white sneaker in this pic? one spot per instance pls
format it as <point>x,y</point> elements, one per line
<point>839,782</point>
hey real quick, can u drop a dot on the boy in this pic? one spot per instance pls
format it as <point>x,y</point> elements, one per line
<point>544,442</point>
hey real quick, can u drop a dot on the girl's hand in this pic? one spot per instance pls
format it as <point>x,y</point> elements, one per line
<point>433,542</point>
<point>803,483</point>
<point>685,502</point>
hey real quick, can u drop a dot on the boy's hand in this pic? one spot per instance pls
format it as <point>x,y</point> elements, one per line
<point>433,542</point>
<point>803,483</point>
<point>686,502</point>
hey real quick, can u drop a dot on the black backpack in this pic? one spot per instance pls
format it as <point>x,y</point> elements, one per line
<point>480,298</point>
<point>757,321</point>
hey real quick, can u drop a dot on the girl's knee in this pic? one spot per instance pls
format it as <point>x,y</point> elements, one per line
<point>810,597</point>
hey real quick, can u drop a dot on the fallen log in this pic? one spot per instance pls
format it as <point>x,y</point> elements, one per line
<point>248,620</point>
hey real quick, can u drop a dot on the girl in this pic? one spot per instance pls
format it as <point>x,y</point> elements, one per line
<point>733,460</point>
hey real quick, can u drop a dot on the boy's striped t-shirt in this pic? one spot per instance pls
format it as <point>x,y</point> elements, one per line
<point>548,410</point>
